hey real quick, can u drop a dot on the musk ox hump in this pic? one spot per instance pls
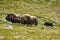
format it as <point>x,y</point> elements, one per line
<point>26,16</point>
<point>33,17</point>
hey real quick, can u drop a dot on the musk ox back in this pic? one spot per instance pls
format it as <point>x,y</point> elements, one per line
<point>25,18</point>
<point>34,20</point>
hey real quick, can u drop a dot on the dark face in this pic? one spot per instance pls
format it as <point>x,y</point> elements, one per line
<point>9,17</point>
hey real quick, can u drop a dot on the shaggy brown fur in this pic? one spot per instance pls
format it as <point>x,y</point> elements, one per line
<point>28,19</point>
<point>34,20</point>
<point>10,17</point>
<point>13,18</point>
<point>24,19</point>
<point>48,24</point>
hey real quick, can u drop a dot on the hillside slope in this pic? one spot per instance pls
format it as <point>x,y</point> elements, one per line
<point>45,10</point>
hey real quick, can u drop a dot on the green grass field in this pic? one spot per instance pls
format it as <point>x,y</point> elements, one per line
<point>45,10</point>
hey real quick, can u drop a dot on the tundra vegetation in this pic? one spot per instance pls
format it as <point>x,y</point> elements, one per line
<point>45,10</point>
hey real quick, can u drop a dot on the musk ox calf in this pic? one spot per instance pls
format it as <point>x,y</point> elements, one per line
<point>48,24</point>
<point>28,19</point>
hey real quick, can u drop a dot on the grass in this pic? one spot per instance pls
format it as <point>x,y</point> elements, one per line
<point>45,10</point>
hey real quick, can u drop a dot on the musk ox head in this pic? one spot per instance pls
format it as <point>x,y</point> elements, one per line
<point>48,24</point>
<point>10,17</point>
<point>13,18</point>
<point>24,19</point>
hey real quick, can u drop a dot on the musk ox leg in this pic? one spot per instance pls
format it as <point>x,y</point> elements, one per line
<point>35,23</point>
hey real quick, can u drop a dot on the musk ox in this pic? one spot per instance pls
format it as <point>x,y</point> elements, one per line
<point>13,18</point>
<point>28,19</point>
<point>48,24</point>
<point>24,19</point>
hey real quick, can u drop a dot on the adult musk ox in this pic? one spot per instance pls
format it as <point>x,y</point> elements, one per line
<point>48,24</point>
<point>25,18</point>
<point>13,18</point>
<point>28,19</point>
